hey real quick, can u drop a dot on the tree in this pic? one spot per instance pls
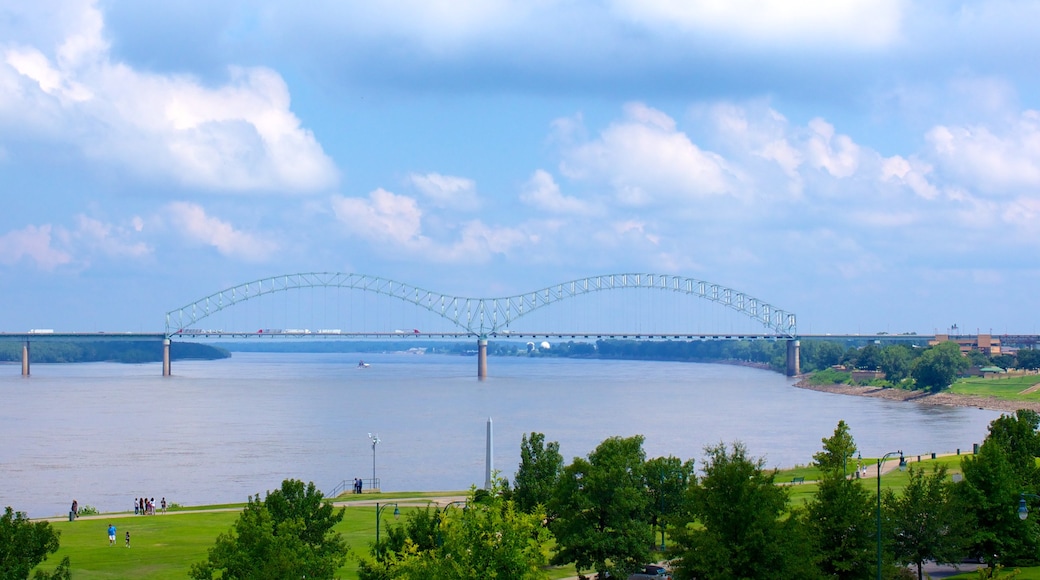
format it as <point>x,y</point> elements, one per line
<point>938,366</point>
<point>840,523</point>
<point>1017,434</point>
<point>989,494</point>
<point>488,538</point>
<point>840,517</point>
<point>539,471</point>
<point>25,544</point>
<point>869,357</point>
<point>1028,359</point>
<point>601,505</point>
<point>287,534</point>
<point>666,481</point>
<point>744,531</point>
<point>837,450</point>
<point>925,521</point>
<point>895,362</point>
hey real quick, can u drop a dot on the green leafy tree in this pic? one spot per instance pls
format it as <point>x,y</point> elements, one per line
<point>540,467</point>
<point>869,357</point>
<point>744,531</point>
<point>938,366</point>
<point>1017,434</point>
<point>24,544</point>
<point>1028,358</point>
<point>989,494</point>
<point>837,450</point>
<point>286,535</point>
<point>840,517</point>
<point>488,538</point>
<point>925,522</point>
<point>602,507</point>
<point>666,481</point>
<point>896,361</point>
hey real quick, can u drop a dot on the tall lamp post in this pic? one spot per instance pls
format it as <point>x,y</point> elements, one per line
<point>379,510</point>
<point>902,466</point>
<point>1023,511</point>
<point>375,441</point>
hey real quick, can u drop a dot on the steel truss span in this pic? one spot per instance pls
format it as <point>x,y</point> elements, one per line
<point>484,316</point>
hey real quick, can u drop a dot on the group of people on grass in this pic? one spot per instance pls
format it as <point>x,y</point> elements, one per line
<point>146,507</point>
<point>112,536</point>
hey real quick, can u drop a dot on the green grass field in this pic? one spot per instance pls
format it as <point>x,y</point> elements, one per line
<point>1009,388</point>
<point>165,546</point>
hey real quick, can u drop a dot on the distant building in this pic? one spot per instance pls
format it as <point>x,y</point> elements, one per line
<point>983,342</point>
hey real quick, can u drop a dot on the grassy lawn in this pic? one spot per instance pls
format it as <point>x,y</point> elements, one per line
<point>1004,387</point>
<point>165,546</point>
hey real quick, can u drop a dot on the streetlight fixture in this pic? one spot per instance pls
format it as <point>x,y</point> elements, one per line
<point>1023,511</point>
<point>902,467</point>
<point>375,441</point>
<point>379,510</point>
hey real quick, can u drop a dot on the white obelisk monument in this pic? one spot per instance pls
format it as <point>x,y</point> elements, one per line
<point>489,464</point>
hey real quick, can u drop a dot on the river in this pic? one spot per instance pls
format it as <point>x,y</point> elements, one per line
<point>218,431</point>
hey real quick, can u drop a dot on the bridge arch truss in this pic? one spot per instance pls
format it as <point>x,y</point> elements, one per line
<point>484,316</point>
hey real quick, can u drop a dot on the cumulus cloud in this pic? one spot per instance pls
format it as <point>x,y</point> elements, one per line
<point>238,136</point>
<point>837,154</point>
<point>542,192</point>
<point>191,221</point>
<point>446,190</point>
<point>33,243</point>
<point>647,160</point>
<point>996,160</point>
<point>49,246</point>
<point>395,222</point>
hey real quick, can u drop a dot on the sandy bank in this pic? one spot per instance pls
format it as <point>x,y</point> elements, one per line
<point>946,399</point>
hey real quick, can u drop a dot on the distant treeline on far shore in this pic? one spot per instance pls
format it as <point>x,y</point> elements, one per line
<point>123,351</point>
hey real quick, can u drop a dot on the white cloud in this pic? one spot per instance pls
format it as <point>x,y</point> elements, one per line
<point>839,155</point>
<point>447,191</point>
<point>241,136</point>
<point>192,222</point>
<point>997,161</point>
<point>34,243</point>
<point>109,239</point>
<point>913,174</point>
<point>851,23</point>
<point>393,224</point>
<point>648,161</point>
<point>542,192</point>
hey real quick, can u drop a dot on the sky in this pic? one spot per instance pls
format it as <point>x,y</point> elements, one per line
<point>869,165</point>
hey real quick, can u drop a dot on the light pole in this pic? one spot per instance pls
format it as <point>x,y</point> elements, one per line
<point>379,510</point>
<point>1023,511</point>
<point>902,466</point>
<point>375,441</point>
<point>660,507</point>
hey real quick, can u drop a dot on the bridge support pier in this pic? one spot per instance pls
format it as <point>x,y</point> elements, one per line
<point>793,357</point>
<point>166,357</point>
<point>482,358</point>
<point>25,359</point>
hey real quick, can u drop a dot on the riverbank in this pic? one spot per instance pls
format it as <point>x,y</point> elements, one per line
<point>923,398</point>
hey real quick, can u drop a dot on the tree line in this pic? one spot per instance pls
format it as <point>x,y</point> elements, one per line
<point>122,351</point>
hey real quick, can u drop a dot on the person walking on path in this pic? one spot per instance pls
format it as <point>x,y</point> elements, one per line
<point>111,534</point>
<point>136,507</point>
<point>75,508</point>
<point>163,504</point>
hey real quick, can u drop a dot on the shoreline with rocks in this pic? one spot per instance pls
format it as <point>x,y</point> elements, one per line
<point>922,398</point>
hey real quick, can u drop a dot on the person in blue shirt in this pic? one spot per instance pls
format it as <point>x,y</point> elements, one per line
<point>111,534</point>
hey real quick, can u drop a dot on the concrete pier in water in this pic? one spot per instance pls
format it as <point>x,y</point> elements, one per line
<point>166,357</point>
<point>482,358</point>
<point>793,356</point>
<point>25,359</point>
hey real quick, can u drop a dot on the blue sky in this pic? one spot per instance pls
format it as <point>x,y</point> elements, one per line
<point>869,165</point>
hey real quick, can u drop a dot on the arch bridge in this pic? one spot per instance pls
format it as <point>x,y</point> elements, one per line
<point>483,317</point>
